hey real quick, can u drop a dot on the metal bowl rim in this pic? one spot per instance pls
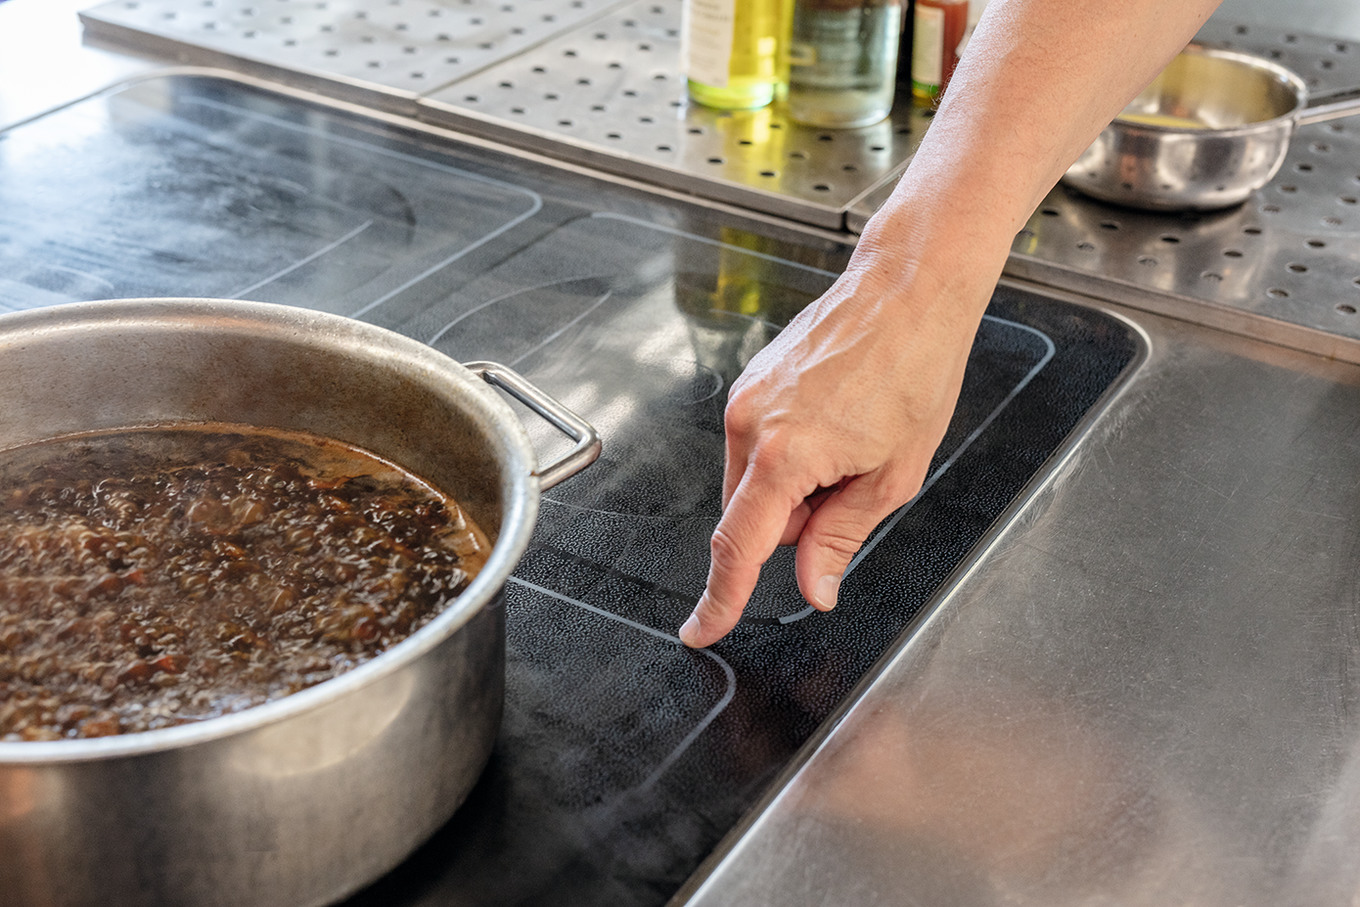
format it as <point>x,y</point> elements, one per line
<point>1281,74</point>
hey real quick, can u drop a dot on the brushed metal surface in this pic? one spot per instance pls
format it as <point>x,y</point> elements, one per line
<point>1143,693</point>
<point>610,95</point>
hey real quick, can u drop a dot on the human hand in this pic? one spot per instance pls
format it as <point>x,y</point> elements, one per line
<point>832,426</point>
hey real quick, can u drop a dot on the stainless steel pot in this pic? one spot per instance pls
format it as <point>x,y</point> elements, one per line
<point>1210,130</point>
<point>305,799</point>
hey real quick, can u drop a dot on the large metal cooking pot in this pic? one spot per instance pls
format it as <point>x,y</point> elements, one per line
<point>305,799</point>
<point>1210,130</point>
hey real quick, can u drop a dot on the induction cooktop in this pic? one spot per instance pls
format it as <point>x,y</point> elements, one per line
<point>624,757</point>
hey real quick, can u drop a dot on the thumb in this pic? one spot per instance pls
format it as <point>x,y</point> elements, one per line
<point>834,534</point>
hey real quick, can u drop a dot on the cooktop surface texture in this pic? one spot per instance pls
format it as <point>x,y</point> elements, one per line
<point>624,757</point>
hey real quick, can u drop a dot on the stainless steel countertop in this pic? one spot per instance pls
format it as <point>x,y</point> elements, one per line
<point>1143,690</point>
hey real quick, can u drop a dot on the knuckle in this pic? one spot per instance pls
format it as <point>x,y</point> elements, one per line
<point>739,415</point>
<point>724,546</point>
<point>841,542</point>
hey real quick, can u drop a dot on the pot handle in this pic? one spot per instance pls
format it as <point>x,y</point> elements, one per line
<point>587,440</point>
<point>1341,104</point>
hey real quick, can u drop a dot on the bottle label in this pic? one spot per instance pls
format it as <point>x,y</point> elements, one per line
<point>706,56</point>
<point>927,47</point>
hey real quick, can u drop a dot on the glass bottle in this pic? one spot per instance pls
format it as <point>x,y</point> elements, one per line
<point>843,61</point>
<point>937,36</point>
<point>732,51</point>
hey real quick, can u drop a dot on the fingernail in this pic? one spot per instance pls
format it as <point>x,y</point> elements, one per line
<point>688,629</point>
<point>825,593</point>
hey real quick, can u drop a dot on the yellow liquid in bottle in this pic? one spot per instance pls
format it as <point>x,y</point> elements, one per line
<point>735,51</point>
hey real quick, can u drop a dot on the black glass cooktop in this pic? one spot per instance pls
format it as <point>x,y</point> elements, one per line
<point>624,757</point>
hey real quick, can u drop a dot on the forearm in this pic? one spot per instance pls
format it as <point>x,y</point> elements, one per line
<point>1039,80</point>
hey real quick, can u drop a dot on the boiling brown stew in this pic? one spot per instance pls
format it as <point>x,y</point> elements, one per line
<point>152,577</point>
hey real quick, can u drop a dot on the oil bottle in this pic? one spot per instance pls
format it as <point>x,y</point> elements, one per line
<point>733,51</point>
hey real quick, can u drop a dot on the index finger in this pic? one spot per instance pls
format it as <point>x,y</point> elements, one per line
<point>747,534</point>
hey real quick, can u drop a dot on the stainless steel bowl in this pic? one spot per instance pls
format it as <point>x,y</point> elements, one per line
<point>1210,130</point>
<point>305,799</point>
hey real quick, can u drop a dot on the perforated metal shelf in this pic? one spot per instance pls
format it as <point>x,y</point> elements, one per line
<point>384,53</point>
<point>1327,65</point>
<point>611,95</point>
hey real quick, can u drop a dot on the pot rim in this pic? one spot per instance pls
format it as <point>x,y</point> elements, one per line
<point>327,331</point>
